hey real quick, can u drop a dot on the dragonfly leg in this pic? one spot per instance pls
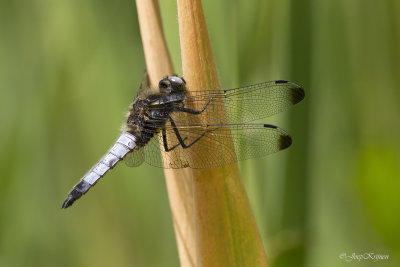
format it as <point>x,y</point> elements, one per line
<point>181,141</point>
<point>193,111</point>
<point>164,136</point>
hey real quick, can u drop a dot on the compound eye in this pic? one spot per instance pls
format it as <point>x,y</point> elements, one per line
<point>163,84</point>
<point>175,79</point>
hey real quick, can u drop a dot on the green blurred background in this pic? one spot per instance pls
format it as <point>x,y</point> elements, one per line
<point>69,70</point>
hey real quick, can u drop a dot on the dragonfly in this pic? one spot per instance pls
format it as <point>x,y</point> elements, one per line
<point>169,126</point>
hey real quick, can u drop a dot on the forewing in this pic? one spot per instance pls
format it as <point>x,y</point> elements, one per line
<point>244,104</point>
<point>217,145</point>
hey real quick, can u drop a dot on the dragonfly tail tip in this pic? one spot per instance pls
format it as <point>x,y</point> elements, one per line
<point>68,202</point>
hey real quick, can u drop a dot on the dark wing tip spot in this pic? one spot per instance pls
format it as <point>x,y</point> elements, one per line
<point>284,141</point>
<point>280,81</point>
<point>297,94</point>
<point>270,126</point>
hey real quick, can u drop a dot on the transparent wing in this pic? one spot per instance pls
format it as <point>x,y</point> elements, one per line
<point>144,85</point>
<point>135,158</point>
<point>145,89</point>
<point>215,145</point>
<point>244,104</point>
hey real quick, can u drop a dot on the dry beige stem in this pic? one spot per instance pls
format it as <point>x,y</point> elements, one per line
<point>179,182</point>
<point>226,233</point>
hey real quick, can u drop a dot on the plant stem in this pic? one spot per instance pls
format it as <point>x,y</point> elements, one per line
<point>179,182</point>
<point>226,232</point>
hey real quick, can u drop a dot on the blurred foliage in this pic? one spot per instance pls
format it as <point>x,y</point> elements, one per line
<point>69,70</point>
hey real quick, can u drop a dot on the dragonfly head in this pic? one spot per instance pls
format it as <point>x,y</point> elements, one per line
<point>172,84</point>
